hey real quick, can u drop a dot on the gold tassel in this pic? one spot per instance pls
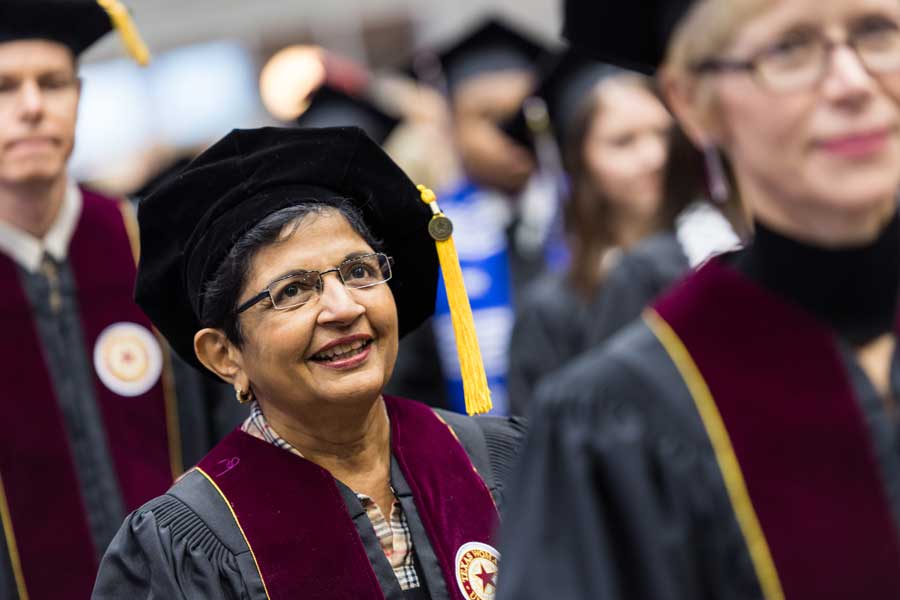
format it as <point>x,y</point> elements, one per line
<point>128,31</point>
<point>475,386</point>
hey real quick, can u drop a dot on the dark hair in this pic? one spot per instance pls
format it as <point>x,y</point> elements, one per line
<point>221,293</point>
<point>684,179</point>
<point>685,182</point>
<point>587,214</point>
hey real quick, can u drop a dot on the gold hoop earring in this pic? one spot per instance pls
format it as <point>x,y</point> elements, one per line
<point>243,396</point>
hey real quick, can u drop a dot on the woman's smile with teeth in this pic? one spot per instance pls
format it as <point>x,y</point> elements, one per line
<point>342,350</point>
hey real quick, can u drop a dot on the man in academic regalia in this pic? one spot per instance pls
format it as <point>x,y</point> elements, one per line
<point>94,424</point>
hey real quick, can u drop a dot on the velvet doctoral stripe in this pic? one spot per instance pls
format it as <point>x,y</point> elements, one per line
<point>137,428</point>
<point>454,503</point>
<point>48,530</point>
<point>789,410</point>
<point>293,517</point>
<point>303,540</point>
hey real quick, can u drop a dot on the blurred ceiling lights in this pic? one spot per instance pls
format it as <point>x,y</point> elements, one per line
<point>289,78</point>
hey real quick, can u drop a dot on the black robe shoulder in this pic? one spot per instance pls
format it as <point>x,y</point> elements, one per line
<point>554,324</point>
<point>641,275</point>
<point>619,495</point>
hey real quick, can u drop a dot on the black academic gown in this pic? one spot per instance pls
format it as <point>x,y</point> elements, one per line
<point>657,262</point>
<point>619,495</point>
<point>550,329</point>
<point>641,275</point>
<point>186,545</point>
<point>554,324</point>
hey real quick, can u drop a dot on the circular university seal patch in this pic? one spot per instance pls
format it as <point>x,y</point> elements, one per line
<point>476,570</point>
<point>127,359</point>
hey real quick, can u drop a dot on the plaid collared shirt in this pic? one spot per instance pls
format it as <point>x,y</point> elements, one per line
<point>394,534</point>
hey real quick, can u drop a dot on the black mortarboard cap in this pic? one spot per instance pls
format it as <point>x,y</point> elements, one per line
<point>564,87</point>
<point>191,221</point>
<point>73,23</point>
<point>633,34</point>
<point>331,107</point>
<point>491,46</point>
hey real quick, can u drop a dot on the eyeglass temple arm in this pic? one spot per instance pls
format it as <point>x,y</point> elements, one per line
<point>252,301</point>
<point>717,65</point>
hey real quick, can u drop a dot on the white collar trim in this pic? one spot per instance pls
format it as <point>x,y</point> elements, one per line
<point>703,232</point>
<point>28,251</point>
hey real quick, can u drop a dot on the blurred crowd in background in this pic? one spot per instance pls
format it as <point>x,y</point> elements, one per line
<point>574,198</point>
<point>706,439</point>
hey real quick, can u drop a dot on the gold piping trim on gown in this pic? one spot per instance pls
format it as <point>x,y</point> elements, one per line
<point>173,426</point>
<point>727,460</point>
<point>11,546</point>
<point>234,516</point>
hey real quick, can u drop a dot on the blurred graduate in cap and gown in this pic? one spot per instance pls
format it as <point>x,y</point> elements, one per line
<point>693,227</point>
<point>330,106</point>
<point>741,439</point>
<point>289,262</point>
<point>487,73</point>
<point>602,133</point>
<point>95,429</point>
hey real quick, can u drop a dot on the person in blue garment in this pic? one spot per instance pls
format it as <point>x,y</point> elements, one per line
<point>488,72</point>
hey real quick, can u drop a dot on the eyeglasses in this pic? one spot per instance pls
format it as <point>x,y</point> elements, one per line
<point>800,61</point>
<point>300,287</point>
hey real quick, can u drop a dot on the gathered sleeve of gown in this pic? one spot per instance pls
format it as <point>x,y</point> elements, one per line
<point>493,445</point>
<point>166,551</point>
<point>617,494</point>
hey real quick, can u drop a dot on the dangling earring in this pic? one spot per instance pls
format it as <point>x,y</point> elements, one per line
<point>243,396</point>
<point>715,174</point>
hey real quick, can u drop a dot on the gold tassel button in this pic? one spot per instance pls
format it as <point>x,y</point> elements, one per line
<point>440,228</point>
<point>475,387</point>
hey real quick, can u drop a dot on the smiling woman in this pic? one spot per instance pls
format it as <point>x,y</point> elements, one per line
<point>288,263</point>
<point>343,328</point>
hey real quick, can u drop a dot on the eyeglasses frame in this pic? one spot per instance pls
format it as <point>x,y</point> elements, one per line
<point>751,64</point>
<point>321,283</point>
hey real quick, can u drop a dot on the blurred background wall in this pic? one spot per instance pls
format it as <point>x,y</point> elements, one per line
<point>204,79</point>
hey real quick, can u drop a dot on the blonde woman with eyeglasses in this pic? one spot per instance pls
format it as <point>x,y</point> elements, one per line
<point>741,440</point>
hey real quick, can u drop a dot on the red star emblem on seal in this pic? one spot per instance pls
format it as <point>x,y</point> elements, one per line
<point>487,578</point>
<point>476,570</point>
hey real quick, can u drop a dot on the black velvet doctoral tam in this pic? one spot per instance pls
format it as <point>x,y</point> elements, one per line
<point>631,34</point>
<point>190,223</point>
<point>76,24</point>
